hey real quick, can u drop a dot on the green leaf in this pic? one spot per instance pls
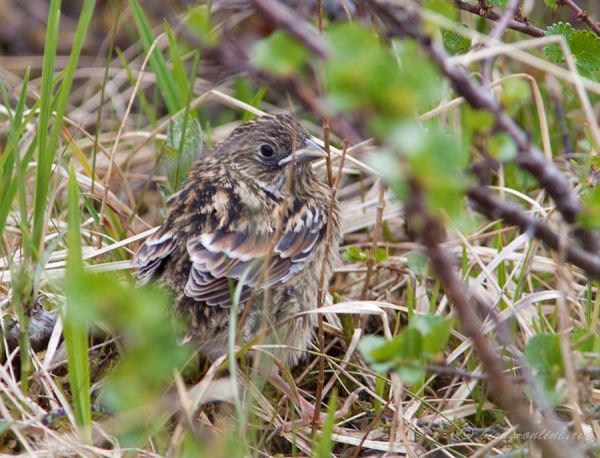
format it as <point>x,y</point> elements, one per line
<point>554,51</point>
<point>199,23</point>
<point>280,53</point>
<point>443,7</point>
<point>369,347</point>
<point>479,121</point>
<point>589,217</point>
<point>406,346</point>
<point>381,254</point>
<point>435,331</point>
<point>584,45</point>
<point>585,341</point>
<point>180,152</point>
<point>417,262</point>
<point>499,3</point>
<point>362,75</point>
<point>148,337</point>
<point>543,353</point>
<point>502,147</point>
<point>515,92</point>
<point>455,43</point>
<point>355,254</point>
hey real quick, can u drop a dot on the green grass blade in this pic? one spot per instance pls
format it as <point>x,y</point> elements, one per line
<point>47,144</point>
<point>173,98</point>
<point>45,155</point>
<point>324,445</point>
<point>74,316</point>
<point>10,157</point>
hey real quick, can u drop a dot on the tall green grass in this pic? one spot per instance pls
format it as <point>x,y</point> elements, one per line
<point>75,323</point>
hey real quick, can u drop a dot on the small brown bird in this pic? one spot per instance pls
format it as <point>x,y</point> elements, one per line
<point>252,212</point>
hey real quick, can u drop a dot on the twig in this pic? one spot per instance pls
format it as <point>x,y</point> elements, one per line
<point>299,29</point>
<point>510,212</point>
<point>488,13</point>
<point>496,34</point>
<point>321,292</point>
<point>375,241</point>
<point>404,20</point>
<point>582,14</point>
<point>564,129</point>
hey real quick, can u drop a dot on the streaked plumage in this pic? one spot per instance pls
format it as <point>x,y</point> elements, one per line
<point>237,207</point>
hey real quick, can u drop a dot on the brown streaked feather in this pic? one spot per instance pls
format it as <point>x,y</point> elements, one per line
<point>234,255</point>
<point>153,252</point>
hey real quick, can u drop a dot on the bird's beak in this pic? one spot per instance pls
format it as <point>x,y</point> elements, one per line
<point>309,152</point>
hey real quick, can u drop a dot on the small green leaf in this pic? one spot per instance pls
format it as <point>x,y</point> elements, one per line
<point>177,158</point>
<point>355,254</point>
<point>585,341</point>
<point>280,53</point>
<point>199,23</point>
<point>443,7</point>
<point>381,254</point>
<point>543,353</point>
<point>479,121</point>
<point>589,217</point>
<point>499,3</point>
<point>502,147</point>
<point>435,331</point>
<point>584,45</point>
<point>368,347</point>
<point>554,51</point>
<point>410,373</point>
<point>406,346</point>
<point>515,92</point>
<point>455,43</point>
<point>417,261</point>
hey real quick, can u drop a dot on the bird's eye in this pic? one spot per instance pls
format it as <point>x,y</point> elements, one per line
<point>266,150</point>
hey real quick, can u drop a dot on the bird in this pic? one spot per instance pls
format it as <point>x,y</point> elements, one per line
<point>252,216</point>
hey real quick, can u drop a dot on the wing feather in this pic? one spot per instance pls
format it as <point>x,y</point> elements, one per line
<point>152,254</point>
<point>221,255</point>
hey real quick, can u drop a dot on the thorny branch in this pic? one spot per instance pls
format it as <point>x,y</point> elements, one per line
<point>404,20</point>
<point>493,208</point>
<point>582,14</point>
<point>488,13</point>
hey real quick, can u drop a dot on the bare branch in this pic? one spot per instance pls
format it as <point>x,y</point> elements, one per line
<point>493,208</point>
<point>582,14</point>
<point>283,17</point>
<point>488,13</point>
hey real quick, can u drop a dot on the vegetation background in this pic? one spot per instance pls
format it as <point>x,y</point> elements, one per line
<point>463,141</point>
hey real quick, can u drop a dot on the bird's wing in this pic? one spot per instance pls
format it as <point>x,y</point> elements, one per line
<point>221,258</point>
<point>153,252</point>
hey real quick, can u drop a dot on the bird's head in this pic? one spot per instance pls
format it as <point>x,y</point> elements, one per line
<point>269,148</point>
